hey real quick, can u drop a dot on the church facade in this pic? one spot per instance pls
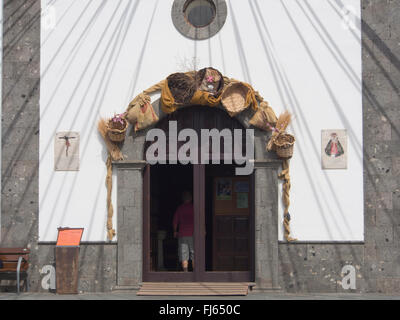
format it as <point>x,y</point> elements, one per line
<point>332,65</point>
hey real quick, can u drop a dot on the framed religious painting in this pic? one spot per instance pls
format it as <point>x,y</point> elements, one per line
<point>334,149</point>
<point>66,151</point>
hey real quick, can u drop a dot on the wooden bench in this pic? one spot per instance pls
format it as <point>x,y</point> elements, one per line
<point>15,264</point>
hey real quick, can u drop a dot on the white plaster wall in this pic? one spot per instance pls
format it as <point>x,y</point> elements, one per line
<point>301,55</point>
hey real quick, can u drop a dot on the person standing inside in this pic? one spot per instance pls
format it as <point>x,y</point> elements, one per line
<point>183,222</point>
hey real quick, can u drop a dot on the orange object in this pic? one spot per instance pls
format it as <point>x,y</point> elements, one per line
<point>69,236</point>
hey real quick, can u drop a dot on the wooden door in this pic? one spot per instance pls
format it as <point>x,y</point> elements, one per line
<point>231,224</point>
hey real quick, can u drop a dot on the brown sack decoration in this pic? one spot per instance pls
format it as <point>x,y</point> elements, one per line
<point>140,112</point>
<point>177,90</point>
<point>264,118</point>
<point>208,96</point>
<point>167,99</point>
<point>145,116</point>
<point>134,107</point>
<point>191,88</point>
<point>182,87</point>
<point>203,98</point>
<point>210,80</point>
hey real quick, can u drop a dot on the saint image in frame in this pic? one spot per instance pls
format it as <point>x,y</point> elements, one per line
<point>334,149</point>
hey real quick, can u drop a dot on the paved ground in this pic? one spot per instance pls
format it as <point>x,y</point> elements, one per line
<point>251,296</point>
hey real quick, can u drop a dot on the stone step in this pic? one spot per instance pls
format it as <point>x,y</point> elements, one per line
<point>194,288</point>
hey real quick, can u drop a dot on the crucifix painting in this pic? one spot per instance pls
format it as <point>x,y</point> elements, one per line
<point>66,151</point>
<point>334,149</point>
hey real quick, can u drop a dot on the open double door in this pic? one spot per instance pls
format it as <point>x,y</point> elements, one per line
<point>223,223</point>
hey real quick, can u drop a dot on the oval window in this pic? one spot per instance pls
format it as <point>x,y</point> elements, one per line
<point>199,13</point>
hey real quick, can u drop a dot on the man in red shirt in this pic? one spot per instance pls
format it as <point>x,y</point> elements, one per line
<point>184,218</point>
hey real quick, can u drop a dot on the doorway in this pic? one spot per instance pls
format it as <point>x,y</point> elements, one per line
<point>223,209</point>
<point>223,223</point>
<point>134,203</point>
<point>167,183</point>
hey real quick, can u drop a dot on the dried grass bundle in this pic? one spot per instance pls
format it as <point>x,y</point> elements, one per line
<point>283,121</point>
<point>112,147</point>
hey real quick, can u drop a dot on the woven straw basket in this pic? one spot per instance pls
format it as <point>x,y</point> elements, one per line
<point>284,145</point>
<point>117,135</point>
<point>234,98</point>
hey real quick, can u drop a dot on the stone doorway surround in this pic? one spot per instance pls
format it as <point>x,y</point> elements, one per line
<point>130,209</point>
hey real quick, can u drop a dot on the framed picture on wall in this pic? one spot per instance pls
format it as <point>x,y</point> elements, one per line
<point>66,151</point>
<point>334,149</point>
<point>224,189</point>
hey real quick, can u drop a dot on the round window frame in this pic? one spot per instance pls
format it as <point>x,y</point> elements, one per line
<point>188,30</point>
<point>187,7</point>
